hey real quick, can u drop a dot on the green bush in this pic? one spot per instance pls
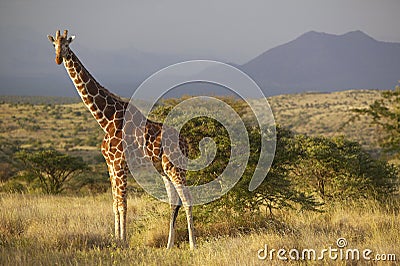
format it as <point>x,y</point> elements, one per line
<point>13,186</point>
<point>385,113</point>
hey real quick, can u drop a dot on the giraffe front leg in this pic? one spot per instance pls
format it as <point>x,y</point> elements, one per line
<point>120,204</point>
<point>118,180</point>
<point>117,228</point>
<point>117,220</point>
<point>120,210</point>
<point>105,149</point>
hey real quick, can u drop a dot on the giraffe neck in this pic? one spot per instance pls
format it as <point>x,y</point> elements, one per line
<point>106,107</point>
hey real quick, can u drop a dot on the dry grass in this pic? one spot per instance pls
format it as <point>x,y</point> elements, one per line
<point>309,113</point>
<point>50,230</point>
<point>64,127</point>
<point>327,114</point>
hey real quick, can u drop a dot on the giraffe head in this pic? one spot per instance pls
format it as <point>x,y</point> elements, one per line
<point>61,43</point>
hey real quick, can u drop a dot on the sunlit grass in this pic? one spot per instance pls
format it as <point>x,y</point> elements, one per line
<point>51,230</point>
<point>308,113</point>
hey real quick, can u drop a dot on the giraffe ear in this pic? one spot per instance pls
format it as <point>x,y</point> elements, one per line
<point>51,39</point>
<point>70,39</point>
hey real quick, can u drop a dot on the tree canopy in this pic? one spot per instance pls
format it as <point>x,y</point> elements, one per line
<point>51,168</point>
<point>386,115</point>
<point>306,173</point>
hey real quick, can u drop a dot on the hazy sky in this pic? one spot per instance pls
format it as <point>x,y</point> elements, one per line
<point>234,31</point>
<point>117,39</point>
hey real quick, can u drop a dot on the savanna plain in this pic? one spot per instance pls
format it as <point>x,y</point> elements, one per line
<point>75,227</point>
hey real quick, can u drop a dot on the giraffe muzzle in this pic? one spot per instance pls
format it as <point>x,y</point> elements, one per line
<point>59,60</point>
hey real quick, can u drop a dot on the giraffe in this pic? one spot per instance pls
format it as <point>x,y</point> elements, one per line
<point>109,109</point>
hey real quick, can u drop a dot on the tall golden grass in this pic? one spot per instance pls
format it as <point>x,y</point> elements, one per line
<point>64,230</point>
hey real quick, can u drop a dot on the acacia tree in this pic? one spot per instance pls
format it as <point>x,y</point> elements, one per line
<point>51,168</point>
<point>306,171</point>
<point>385,113</point>
<point>277,190</point>
<point>336,169</point>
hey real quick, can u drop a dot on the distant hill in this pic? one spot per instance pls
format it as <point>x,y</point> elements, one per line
<point>68,125</point>
<point>328,114</point>
<point>326,62</point>
<point>38,99</point>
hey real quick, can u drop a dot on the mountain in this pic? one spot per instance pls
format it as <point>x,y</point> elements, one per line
<point>312,62</point>
<point>325,62</point>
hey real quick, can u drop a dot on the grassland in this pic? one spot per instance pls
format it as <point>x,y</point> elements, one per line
<point>66,127</point>
<point>328,114</point>
<point>69,126</point>
<point>72,230</point>
<point>62,230</point>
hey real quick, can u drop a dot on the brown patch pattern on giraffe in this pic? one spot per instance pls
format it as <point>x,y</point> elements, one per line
<point>109,111</point>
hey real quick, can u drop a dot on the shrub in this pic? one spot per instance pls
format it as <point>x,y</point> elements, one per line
<point>13,186</point>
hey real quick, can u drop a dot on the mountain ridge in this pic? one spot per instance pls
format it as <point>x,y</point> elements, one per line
<point>314,61</point>
<point>317,61</point>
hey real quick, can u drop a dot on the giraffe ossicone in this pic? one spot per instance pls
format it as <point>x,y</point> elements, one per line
<point>145,147</point>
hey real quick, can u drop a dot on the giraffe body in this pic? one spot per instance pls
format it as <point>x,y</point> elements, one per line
<point>109,110</point>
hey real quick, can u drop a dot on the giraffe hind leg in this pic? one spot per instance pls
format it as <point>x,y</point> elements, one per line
<point>175,203</point>
<point>185,197</point>
<point>177,177</point>
<point>171,235</point>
